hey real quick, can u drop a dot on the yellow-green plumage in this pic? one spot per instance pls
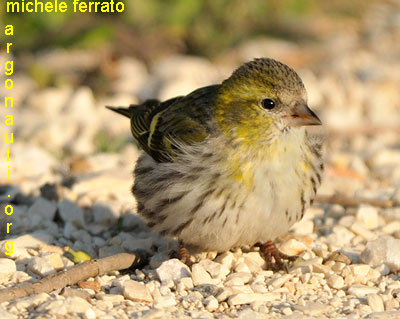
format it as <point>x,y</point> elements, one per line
<point>228,164</point>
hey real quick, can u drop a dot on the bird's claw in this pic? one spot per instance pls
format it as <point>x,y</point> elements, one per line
<point>271,252</point>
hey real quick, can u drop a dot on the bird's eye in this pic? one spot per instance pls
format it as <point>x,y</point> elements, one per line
<point>268,104</point>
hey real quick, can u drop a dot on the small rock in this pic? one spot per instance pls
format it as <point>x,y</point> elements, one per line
<point>359,270</point>
<point>391,227</point>
<point>7,193</point>
<point>106,212</point>
<point>336,282</point>
<point>259,287</point>
<point>241,289</point>
<point>368,215</point>
<point>152,314</point>
<point>71,292</point>
<point>4,314</point>
<point>340,235</point>
<point>164,301</point>
<point>31,301</point>
<point>313,308</point>
<point>200,276</point>
<point>254,258</point>
<point>187,282</point>
<point>338,267</point>
<point>90,285</point>
<point>41,266</point>
<point>33,240</point>
<point>375,302</point>
<point>226,258</point>
<point>110,297</point>
<point>225,293</point>
<point>207,290</point>
<point>292,247</point>
<point>54,259</point>
<point>280,281</point>
<point>89,314</point>
<point>384,250</point>
<point>238,279</point>
<point>136,291</point>
<point>361,230</point>
<point>43,208</point>
<point>323,269</point>
<point>173,269</point>
<point>216,270</point>
<point>52,192</point>
<point>7,269</point>
<point>339,256</point>
<point>211,303</point>
<point>251,314</point>
<point>361,291</point>
<point>62,307</point>
<point>76,304</point>
<point>243,298</point>
<point>70,212</point>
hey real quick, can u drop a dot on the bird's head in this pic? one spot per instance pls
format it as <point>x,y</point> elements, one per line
<point>260,100</point>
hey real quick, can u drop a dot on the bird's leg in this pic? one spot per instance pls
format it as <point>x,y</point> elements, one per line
<point>184,255</point>
<point>269,249</point>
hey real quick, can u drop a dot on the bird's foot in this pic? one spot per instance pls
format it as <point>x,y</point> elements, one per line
<point>270,251</point>
<point>184,255</point>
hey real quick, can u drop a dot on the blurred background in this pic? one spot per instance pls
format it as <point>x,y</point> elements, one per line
<point>68,66</point>
<point>72,159</point>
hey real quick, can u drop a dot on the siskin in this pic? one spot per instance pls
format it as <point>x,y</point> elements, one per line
<point>230,164</point>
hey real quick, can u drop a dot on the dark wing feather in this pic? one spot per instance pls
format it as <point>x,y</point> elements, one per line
<point>162,128</point>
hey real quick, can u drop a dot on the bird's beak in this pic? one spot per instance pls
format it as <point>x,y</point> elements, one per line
<point>301,115</point>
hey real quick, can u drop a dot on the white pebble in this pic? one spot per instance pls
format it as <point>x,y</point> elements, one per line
<point>173,269</point>
<point>211,303</point>
<point>7,269</point>
<point>335,281</point>
<point>368,215</point>
<point>200,276</point>
<point>361,290</point>
<point>375,302</point>
<point>136,291</point>
<point>242,298</point>
<point>280,281</point>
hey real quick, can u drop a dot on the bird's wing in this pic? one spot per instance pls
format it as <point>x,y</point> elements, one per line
<point>163,128</point>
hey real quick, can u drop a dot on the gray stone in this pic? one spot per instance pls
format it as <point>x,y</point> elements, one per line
<point>384,250</point>
<point>70,212</point>
<point>207,290</point>
<point>43,208</point>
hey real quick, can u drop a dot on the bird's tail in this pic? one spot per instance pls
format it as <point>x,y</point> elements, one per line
<point>125,111</point>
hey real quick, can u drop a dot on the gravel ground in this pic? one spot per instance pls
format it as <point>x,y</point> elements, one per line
<point>67,193</point>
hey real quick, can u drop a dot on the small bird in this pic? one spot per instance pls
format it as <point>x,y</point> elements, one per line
<point>230,164</point>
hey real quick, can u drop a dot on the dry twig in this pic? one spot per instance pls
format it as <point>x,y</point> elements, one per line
<point>354,201</point>
<point>73,275</point>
